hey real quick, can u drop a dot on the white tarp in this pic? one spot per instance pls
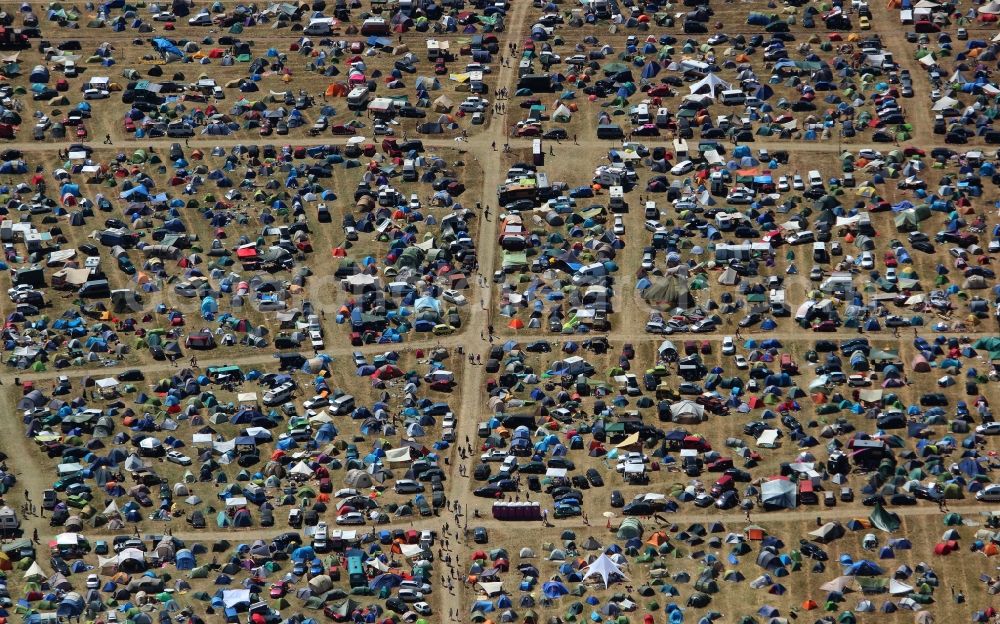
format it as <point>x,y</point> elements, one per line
<point>398,455</point>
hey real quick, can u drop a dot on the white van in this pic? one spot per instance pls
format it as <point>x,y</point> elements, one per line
<point>733,97</point>
<point>640,114</point>
<point>342,404</point>
<point>662,117</point>
<point>588,273</point>
<point>815,179</point>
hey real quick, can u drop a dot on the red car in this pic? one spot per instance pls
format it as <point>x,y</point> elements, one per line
<point>825,326</point>
<point>279,589</point>
<point>129,125</point>
<point>81,132</point>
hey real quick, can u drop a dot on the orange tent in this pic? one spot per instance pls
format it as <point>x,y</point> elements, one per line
<point>991,550</point>
<point>336,89</point>
<point>658,538</point>
<point>809,605</point>
<point>516,324</point>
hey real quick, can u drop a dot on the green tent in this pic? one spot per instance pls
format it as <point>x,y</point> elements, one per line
<point>884,520</point>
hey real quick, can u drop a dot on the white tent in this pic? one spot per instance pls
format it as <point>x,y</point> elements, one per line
<point>34,571</point>
<point>687,411</point>
<point>991,8</point>
<point>898,588</point>
<point>491,589</point>
<point>605,567</point>
<point>562,113</point>
<point>710,83</point>
<point>945,102</point>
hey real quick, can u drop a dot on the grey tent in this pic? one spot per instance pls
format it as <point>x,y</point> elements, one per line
<point>779,494</point>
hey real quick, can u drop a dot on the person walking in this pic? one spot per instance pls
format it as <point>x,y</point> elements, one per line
<point>107,139</point>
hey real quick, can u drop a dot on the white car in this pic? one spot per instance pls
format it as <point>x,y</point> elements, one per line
<point>453,296</point>
<point>316,339</point>
<point>682,167</point>
<point>423,608</point>
<point>96,94</point>
<point>381,129</point>
<point>890,275</point>
<point>178,458</point>
<point>728,346</point>
<point>867,260</point>
<point>741,362</point>
<point>93,581</point>
<point>783,185</point>
<point>474,104</point>
<point>989,494</point>
<point>992,428</point>
<point>165,16</point>
<point>797,183</point>
<point>493,455</point>
<point>351,517</point>
<point>202,19</point>
<point>619,227</point>
<point>316,402</point>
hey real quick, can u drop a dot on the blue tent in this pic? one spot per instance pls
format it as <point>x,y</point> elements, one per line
<point>863,567</point>
<point>184,559</point>
<point>554,589</point>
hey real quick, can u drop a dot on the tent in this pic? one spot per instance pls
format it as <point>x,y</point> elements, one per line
<point>884,520</point>
<point>709,83</point>
<point>779,494</point>
<point>604,567</point>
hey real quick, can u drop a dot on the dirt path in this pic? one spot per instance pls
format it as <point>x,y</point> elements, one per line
<point>918,109</point>
<point>475,142</point>
<point>472,404</point>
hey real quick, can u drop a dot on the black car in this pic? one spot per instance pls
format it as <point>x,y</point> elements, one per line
<point>813,551</point>
<point>488,491</point>
<point>538,346</point>
<point>903,499</point>
<point>727,500</point>
<point>555,134</point>
<point>581,482</point>
<point>637,508</point>
<point>133,374</point>
<point>933,399</point>
<point>480,536</point>
<point>562,462</point>
<point>617,500</point>
<point>411,111</point>
<point>595,477</point>
<point>927,493</point>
